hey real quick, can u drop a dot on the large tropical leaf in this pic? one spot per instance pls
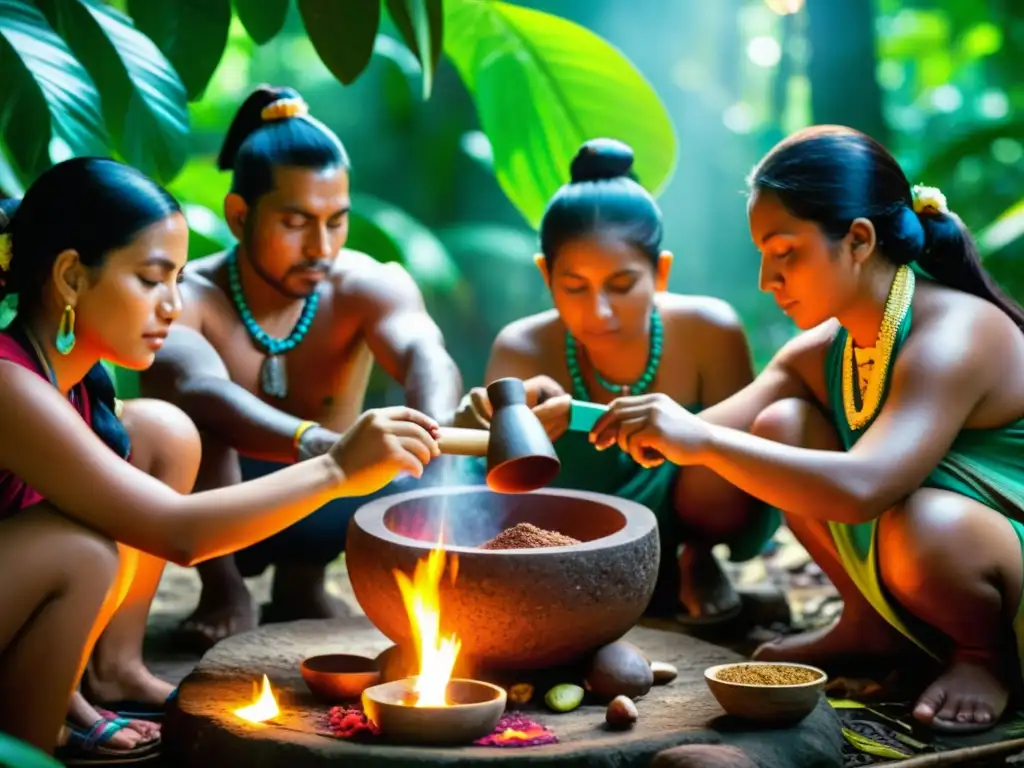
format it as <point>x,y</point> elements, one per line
<point>342,34</point>
<point>44,93</point>
<point>421,23</point>
<point>143,99</point>
<point>191,33</point>
<point>208,233</point>
<point>542,86</point>
<point>262,19</point>
<point>387,233</point>
<point>1007,228</point>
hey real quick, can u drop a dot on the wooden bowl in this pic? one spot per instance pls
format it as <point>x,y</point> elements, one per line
<point>339,676</point>
<point>475,709</point>
<point>768,704</point>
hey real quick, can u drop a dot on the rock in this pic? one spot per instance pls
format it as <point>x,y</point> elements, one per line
<point>663,673</point>
<point>520,693</point>
<point>703,756</point>
<point>619,669</point>
<point>621,713</point>
<point>564,698</point>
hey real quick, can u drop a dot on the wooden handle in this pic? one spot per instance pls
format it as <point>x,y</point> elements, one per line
<point>456,441</point>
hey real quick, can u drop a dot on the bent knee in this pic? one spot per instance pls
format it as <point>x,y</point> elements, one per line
<point>158,417</point>
<point>935,536</point>
<point>164,439</point>
<point>81,550</point>
<point>794,421</point>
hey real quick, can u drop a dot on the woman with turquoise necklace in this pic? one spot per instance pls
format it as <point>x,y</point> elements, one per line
<point>614,331</point>
<point>891,431</point>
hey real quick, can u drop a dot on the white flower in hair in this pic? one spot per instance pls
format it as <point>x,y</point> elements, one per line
<point>929,200</point>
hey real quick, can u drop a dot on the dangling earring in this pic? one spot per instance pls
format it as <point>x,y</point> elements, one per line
<point>66,331</point>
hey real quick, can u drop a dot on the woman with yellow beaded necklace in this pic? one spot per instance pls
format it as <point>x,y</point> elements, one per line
<point>891,431</point>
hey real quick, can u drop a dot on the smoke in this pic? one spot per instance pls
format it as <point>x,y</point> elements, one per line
<point>465,519</point>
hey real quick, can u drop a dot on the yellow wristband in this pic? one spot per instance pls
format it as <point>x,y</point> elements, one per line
<point>300,431</point>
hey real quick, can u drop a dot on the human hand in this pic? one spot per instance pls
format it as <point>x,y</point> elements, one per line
<point>475,410</point>
<point>652,429</point>
<point>383,443</point>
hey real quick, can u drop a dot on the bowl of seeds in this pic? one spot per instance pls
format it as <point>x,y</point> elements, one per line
<point>770,692</point>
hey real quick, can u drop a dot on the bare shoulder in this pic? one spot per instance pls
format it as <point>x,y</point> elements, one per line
<point>531,336</point>
<point>956,329</point>
<point>199,289</point>
<point>360,278</point>
<point>699,313</point>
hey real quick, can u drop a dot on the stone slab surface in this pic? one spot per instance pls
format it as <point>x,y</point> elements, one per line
<point>202,731</point>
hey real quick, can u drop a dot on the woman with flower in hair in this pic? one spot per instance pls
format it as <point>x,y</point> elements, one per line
<point>95,495</point>
<point>890,432</point>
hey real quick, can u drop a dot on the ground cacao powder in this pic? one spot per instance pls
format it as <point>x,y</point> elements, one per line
<point>527,536</point>
<point>751,674</point>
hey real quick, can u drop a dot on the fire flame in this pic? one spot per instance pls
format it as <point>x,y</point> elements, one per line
<point>264,708</point>
<point>436,654</point>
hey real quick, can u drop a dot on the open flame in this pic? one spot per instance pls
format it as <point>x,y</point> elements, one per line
<point>264,708</point>
<point>436,654</point>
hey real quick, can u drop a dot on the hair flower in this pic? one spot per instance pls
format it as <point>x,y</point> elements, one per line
<point>284,108</point>
<point>929,200</point>
<point>5,253</point>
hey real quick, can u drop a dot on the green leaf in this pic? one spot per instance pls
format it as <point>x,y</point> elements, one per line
<point>342,34</point>
<point>143,99</point>
<point>542,86</point>
<point>208,233</point>
<point>872,747</point>
<point>262,19</point>
<point>45,93</point>
<point>421,23</point>
<point>1008,227</point>
<point>191,33</point>
<point>387,233</point>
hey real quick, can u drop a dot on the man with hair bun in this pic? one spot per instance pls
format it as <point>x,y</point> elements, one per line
<point>273,352</point>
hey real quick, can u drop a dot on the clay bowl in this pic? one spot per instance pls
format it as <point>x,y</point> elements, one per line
<point>518,609</point>
<point>474,709</point>
<point>768,704</point>
<point>339,676</point>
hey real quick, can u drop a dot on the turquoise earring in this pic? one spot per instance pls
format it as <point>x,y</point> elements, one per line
<point>66,331</point>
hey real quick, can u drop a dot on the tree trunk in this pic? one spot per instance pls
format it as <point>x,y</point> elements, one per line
<point>844,90</point>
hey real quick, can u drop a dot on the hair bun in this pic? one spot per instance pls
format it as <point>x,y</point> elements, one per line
<point>601,159</point>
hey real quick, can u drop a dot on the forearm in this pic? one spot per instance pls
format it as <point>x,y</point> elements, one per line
<point>225,520</point>
<point>821,485</point>
<point>240,419</point>
<point>433,383</point>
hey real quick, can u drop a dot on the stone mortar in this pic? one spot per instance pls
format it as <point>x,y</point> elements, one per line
<point>512,609</point>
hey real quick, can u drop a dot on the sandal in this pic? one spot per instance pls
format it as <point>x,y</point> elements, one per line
<point>133,724</point>
<point>87,747</point>
<point>129,709</point>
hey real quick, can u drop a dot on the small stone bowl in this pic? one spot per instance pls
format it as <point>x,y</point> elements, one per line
<point>768,704</point>
<point>475,709</point>
<point>339,676</point>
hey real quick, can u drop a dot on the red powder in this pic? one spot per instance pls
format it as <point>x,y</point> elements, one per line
<point>527,536</point>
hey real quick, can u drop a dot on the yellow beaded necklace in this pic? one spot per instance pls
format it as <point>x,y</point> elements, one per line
<point>861,409</point>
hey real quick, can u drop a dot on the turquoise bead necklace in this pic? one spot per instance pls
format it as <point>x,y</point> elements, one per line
<point>273,377</point>
<point>639,387</point>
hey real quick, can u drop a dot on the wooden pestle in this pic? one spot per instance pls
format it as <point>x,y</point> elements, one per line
<point>457,441</point>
